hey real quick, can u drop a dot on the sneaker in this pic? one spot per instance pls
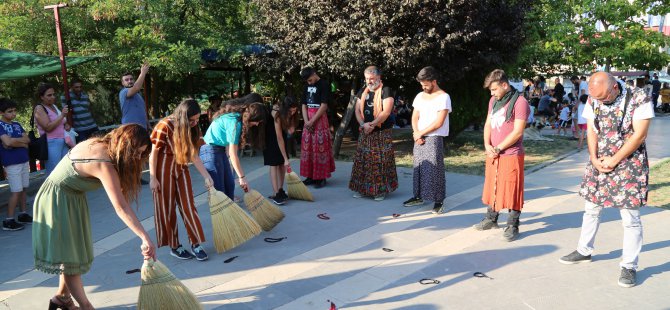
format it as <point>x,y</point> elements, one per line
<point>485,224</point>
<point>24,218</point>
<point>199,253</point>
<point>438,208</point>
<point>278,199</point>
<point>380,197</point>
<point>413,202</point>
<point>510,233</point>
<point>574,258</point>
<point>283,194</point>
<point>358,195</point>
<point>181,253</point>
<point>627,277</point>
<point>308,181</point>
<point>11,224</point>
<point>319,183</point>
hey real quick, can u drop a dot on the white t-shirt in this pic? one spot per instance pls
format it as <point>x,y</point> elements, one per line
<point>580,111</point>
<point>428,112</point>
<point>583,85</point>
<point>564,113</point>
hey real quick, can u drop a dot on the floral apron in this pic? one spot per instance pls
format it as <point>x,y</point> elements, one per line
<point>626,186</point>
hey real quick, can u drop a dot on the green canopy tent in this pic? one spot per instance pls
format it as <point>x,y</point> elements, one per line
<point>18,65</point>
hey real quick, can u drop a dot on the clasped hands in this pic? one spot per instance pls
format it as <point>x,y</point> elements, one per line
<point>604,164</point>
<point>418,138</point>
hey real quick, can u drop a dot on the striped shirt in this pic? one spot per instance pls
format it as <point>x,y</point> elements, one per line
<point>81,112</point>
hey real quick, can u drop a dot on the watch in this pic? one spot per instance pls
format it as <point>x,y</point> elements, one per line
<point>497,150</point>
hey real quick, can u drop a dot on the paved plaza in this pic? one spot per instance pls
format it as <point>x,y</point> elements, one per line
<point>342,259</point>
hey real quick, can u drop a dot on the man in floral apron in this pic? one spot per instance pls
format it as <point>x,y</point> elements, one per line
<point>618,171</point>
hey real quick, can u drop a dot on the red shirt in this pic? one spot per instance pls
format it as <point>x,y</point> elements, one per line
<point>500,129</point>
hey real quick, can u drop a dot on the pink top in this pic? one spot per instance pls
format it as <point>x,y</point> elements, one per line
<point>500,129</point>
<point>59,131</point>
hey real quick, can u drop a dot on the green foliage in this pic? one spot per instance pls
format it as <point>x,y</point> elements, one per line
<point>168,34</point>
<point>562,36</point>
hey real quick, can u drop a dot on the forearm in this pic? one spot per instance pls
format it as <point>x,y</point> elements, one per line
<point>197,162</point>
<point>510,140</point>
<point>592,142</point>
<point>631,144</point>
<point>126,214</point>
<point>235,160</point>
<point>282,146</point>
<point>320,112</point>
<point>152,162</point>
<point>305,115</point>
<point>487,134</point>
<point>381,118</point>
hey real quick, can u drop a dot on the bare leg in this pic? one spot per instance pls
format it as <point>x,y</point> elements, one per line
<point>273,178</point>
<point>22,200</point>
<point>76,288</point>
<point>13,200</point>
<point>281,170</point>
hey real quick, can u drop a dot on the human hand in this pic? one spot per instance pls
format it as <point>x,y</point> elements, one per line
<point>64,111</point>
<point>597,163</point>
<point>243,184</point>
<point>209,183</point>
<point>368,128</point>
<point>416,135</point>
<point>420,141</point>
<point>608,162</point>
<point>490,152</point>
<point>286,163</point>
<point>148,249</point>
<point>145,68</point>
<point>153,184</point>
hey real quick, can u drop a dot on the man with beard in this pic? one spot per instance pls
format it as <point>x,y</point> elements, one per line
<point>430,123</point>
<point>503,141</point>
<point>374,172</point>
<point>133,110</point>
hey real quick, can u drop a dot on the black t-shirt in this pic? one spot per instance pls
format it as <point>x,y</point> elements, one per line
<point>316,94</point>
<point>368,110</point>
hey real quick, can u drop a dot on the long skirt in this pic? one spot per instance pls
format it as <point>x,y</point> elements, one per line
<point>503,183</point>
<point>429,178</point>
<point>374,171</point>
<point>316,157</point>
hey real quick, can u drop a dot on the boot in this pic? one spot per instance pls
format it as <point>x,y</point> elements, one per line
<point>511,232</point>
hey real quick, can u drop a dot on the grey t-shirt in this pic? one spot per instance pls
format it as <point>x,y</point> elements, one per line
<point>133,110</point>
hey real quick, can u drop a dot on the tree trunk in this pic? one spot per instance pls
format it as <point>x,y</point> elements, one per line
<point>608,64</point>
<point>344,124</point>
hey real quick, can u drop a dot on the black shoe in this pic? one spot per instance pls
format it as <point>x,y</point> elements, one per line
<point>143,182</point>
<point>308,181</point>
<point>627,277</point>
<point>181,253</point>
<point>438,208</point>
<point>574,258</point>
<point>24,218</point>
<point>199,252</point>
<point>319,183</point>
<point>413,202</point>
<point>510,233</point>
<point>485,224</point>
<point>11,224</point>
<point>278,199</point>
<point>283,194</point>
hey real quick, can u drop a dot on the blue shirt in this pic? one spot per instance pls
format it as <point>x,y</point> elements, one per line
<point>225,130</point>
<point>13,155</point>
<point>133,110</point>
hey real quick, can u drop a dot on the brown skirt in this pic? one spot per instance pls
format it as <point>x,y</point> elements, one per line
<point>503,184</point>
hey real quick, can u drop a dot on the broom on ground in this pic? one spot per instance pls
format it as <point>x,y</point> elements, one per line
<point>231,226</point>
<point>297,189</point>
<point>264,212</point>
<point>161,290</point>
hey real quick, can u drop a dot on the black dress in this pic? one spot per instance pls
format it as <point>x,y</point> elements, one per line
<point>271,154</point>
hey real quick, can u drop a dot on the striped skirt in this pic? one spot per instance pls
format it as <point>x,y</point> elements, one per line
<point>503,184</point>
<point>429,178</point>
<point>374,171</point>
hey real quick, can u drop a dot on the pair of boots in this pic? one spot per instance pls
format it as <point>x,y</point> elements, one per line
<point>510,233</point>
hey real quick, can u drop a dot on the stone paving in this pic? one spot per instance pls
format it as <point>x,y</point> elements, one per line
<point>342,260</point>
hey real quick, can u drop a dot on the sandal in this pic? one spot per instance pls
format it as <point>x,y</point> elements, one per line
<point>63,302</point>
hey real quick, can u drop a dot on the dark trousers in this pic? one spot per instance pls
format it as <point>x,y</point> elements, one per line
<point>512,219</point>
<point>223,176</point>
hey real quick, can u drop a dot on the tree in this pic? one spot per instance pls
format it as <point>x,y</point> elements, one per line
<point>169,34</point>
<point>581,35</point>
<point>463,39</point>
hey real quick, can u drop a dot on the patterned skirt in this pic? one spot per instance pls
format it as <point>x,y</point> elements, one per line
<point>429,178</point>
<point>316,156</point>
<point>503,183</point>
<point>374,171</point>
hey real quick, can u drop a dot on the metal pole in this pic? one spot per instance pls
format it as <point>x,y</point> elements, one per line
<point>61,53</point>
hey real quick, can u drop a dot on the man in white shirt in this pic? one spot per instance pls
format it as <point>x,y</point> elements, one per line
<point>430,123</point>
<point>617,174</point>
<point>583,87</point>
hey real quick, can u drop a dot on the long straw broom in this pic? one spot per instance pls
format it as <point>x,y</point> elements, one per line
<point>297,189</point>
<point>161,290</point>
<point>230,224</point>
<point>264,212</point>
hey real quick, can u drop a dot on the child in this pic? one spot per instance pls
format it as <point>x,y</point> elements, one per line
<point>14,153</point>
<point>70,136</point>
<point>563,119</point>
<point>175,140</point>
<point>282,118</point>
<point>581,121</point>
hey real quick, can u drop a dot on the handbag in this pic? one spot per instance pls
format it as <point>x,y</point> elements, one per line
<point>38,148</point>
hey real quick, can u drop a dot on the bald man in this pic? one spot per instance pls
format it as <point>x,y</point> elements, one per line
<point>617,173</point>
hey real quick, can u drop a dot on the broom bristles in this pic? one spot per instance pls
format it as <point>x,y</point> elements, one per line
<point>264,212</point>
<point>297,189</point>
<point>162,290</point>
<point>231,226</point>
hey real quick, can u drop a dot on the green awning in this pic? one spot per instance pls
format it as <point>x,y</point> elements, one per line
<point>18,65</point>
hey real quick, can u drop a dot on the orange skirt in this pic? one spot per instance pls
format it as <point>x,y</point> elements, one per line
<point>503,184</point>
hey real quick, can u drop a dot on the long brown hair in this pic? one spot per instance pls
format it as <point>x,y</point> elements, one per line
<point>184,137</point>
<point>123,145</point>
<point>252,109</point>
<point>285,118</point>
